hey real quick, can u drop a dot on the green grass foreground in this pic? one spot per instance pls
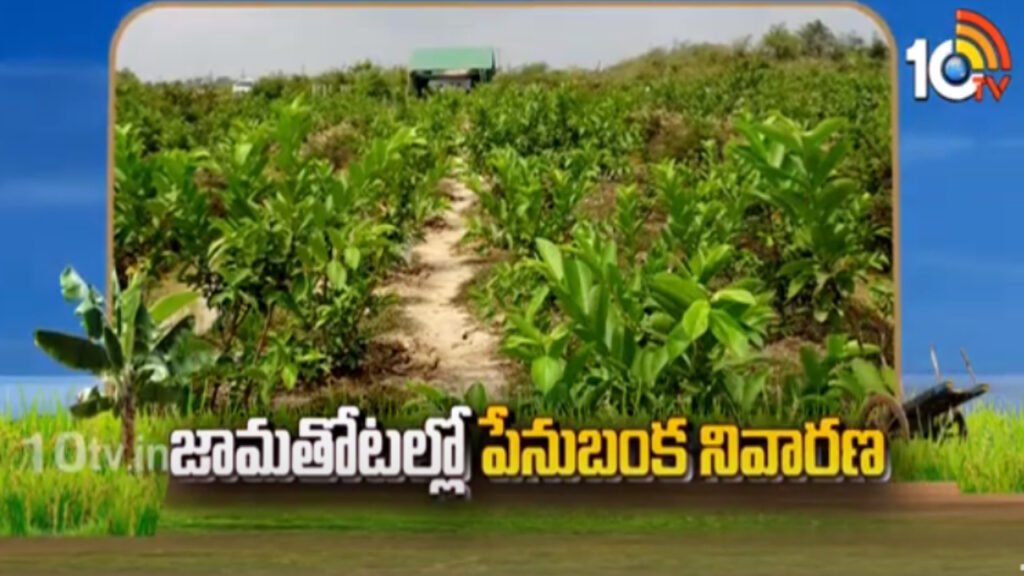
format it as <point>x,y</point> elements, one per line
<point>467,520</point>
<point>38,498</point>
<point>988,462</point>
<point>90,497</point>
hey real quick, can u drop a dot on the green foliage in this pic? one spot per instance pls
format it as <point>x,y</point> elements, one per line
<point>531,197</point>
<point>780,43</point>
<point>655,227</point>
<point>706,257</point>
<point>843,373</point>
<point>284,248</point>
<point>633,340</point>
<point>133,350</point>
<point>827,237</point>
<point>535,120</point>
<point>437,401</point>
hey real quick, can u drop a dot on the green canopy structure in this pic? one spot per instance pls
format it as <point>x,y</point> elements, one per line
<point>431,68</point>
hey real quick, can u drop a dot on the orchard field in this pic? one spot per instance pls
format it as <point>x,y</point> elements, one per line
<point>704,229</point>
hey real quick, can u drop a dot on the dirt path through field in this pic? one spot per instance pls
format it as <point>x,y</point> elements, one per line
<point>447,345</point>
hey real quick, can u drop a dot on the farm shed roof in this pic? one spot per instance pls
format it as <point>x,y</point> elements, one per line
<point>451,59</point>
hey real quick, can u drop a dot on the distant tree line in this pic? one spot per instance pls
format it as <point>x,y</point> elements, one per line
<point>812,40</point>
<point>816,40</point>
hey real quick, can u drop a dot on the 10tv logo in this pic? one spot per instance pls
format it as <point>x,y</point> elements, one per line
<point>975,60</point>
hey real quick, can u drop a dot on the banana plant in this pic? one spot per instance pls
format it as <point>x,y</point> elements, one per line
<point>132,350</point>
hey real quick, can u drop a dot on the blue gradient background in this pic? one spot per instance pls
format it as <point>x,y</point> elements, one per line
<point>960,175</point>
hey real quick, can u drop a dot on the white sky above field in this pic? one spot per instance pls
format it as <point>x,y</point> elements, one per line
<point>167,43</point>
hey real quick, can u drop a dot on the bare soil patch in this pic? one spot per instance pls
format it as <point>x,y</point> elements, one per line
<point>440,339</point>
